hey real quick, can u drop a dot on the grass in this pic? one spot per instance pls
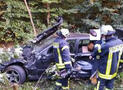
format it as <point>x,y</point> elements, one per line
<point>49,85</point>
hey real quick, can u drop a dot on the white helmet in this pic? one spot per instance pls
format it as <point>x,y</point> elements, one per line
<point>65,32</point>
<point>107,30</point>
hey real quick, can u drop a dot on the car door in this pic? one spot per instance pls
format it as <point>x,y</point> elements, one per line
<point>72,46</point>
<point>82,49</point>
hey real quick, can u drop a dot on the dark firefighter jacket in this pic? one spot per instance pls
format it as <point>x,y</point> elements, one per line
<point>61,53</point>
<point>110,54</point>
<point>97,45</point>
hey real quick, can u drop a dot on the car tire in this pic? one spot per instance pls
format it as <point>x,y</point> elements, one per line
<point>15,74</point>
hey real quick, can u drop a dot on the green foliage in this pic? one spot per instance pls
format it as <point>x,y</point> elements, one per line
<point>101,12</point>
<point>79,16</point>
<point>16,22</point>
<point>50,85</point>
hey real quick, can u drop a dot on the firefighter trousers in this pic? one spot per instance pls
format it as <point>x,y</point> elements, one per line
<point>108,84</point>
<point>62,83</point>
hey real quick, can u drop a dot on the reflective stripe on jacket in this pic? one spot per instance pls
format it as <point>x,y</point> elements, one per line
<point>61,53</point>
<point>110,54</point>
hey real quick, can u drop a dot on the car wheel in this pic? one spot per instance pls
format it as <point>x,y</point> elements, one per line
<point>15,74</point>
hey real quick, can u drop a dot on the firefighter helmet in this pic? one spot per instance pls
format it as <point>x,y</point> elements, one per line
<point>64,32</point>
<point>107,30</point>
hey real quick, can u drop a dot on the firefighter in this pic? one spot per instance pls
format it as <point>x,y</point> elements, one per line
<point>94,44</point>
<point>62,59</point>
<point>110,53</point>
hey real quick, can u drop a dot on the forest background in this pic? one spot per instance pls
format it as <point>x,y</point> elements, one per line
<point>79,16</point>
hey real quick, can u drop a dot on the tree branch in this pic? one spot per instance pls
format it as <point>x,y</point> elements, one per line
<point>30,15</point>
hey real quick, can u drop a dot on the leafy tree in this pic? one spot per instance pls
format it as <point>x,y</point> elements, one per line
<point>98,13</point>
<point>15,22</point>
<point>79,16</point>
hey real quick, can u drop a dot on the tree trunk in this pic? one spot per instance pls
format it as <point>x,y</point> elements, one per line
<point>92,1</point>
<point>48,13</point>
<point>30,15</point>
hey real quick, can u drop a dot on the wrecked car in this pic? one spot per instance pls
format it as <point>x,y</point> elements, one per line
<point>37,58</point>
